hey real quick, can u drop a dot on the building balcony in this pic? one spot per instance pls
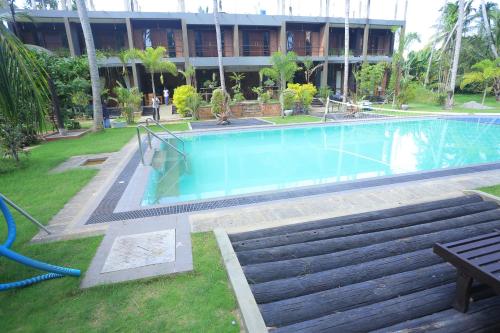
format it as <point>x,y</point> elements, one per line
<point>255,50</point>
<point>306,50</point>
<point>339,52</point>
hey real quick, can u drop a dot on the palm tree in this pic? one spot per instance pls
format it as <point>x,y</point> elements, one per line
<point>94,70</point>
<point>219,58</point>
<point>487,74</point>
<point>282,71</point>
<point>122,56</point>
<point>309,69</point>
<point>487,27</point>
<point>189,75</point>
<point>154,62</point>
<point>24,91</point>
<point>456,55</point>
<point>346,51</point>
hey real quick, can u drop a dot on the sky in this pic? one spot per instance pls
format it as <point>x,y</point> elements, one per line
<point>422,15</point>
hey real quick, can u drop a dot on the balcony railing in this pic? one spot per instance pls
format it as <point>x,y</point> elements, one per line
<point>339,52</point>
<point>209,51</point>
<point>305,50</point>
<point>254,50</point>
<point>172,52</point>
<point>379,52</point>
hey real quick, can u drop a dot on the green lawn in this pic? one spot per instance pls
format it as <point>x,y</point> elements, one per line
<point>197,301</point>
<point>495,190</point>
<point>298,119</point>
<point>459,100</point>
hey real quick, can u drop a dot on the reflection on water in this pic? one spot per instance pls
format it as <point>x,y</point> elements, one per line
<point>246,162</point>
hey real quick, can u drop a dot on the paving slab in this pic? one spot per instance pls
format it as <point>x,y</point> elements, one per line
<point>142,248</point>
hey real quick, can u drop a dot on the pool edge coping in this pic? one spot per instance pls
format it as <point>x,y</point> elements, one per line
<point>250,312</point>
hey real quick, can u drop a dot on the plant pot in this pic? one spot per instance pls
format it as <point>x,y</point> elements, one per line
<point>118,124</point>
<point>405,107</point>
<point>288,112</point>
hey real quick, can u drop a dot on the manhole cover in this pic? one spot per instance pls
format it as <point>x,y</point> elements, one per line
<point>140,250</point>
<point>94,161</point>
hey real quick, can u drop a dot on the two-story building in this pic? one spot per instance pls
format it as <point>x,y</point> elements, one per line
<point>248,41</point>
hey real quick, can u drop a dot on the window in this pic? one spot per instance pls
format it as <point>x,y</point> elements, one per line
<point>222,42</point>
<point>198,44</point>
<point>146,37</point>
<point>246,43</point>
<point>308,43</point>
<point>289,41</point>
<point>266,43</point>
<point>171,44</point>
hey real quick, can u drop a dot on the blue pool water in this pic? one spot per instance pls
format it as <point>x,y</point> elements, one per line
<point>242,162</point>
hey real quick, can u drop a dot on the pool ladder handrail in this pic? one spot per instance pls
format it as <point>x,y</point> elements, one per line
<point>25,214</point>
<point>165,129</point>
<point>149,133</point>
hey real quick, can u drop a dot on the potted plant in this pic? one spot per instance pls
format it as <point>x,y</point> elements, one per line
<point>129,101</point>
<point>119,122</point>
<point>217,103</point>
<point>288,97</point>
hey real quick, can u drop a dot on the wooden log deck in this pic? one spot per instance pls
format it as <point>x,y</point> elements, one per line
<point>373,271</point>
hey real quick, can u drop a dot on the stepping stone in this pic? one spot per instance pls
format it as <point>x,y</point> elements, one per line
<point>141,248</point>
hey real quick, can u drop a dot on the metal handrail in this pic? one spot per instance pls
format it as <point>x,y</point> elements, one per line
<point>150,132</point>
<point>25,214</point>
<point>165,129</point>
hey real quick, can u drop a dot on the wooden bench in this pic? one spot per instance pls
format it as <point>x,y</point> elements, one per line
<point>475,258</point>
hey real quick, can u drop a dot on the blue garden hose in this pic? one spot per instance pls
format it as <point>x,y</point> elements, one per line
<point>54,271</point>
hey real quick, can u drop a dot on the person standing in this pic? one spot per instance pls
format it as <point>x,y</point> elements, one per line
<point>166,95</point>
<point>156,108</point>
<point>105,116</point>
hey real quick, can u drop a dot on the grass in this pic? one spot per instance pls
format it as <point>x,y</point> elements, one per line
<point>495,190</point>
<point>459,100</point>
<point>297,119</point>
<point>196,301</point>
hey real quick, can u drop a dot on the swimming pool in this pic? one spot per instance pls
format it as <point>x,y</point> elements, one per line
<point>250,161</point>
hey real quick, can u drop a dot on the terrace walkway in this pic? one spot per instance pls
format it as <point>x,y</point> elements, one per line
<point>373,271</point>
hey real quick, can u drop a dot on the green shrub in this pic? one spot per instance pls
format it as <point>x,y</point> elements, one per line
<point>129,101</point>
<point>324,92</point>
<point>217,101</point>
<point>238,97</point>
<point>408,93</point>
<point>304,94</point>
<point>288,96</point>
<point>262,96</point>
<point>440,98</point>
<point>423,95</point>
<point>11,140</point>
<point>181,94</point>
<point>193,103</point>
<point>72,125</point>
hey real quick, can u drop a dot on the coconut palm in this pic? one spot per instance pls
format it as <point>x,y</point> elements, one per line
<point>456,55</point>
<point>219,58</point>
<point>154,62</point>
<point>487,27</point>
<point>24,92</point>
<point>94,70</point>
<point>346,51</point>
